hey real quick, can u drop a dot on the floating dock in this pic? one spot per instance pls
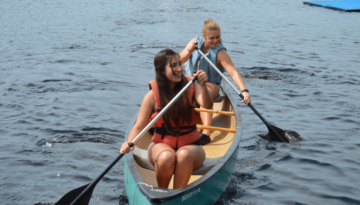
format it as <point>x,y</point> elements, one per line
<point>346,5</point>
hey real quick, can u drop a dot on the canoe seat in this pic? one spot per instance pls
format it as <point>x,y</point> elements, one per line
<point>141,157</point>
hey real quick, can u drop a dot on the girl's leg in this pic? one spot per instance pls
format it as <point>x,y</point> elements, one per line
<point>206,117</point>
<point>188,158</point>
<point>162,156</point>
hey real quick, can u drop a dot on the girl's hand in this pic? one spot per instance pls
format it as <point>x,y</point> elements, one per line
<point>190,47</point>
<point>202,77</point>
<point>125,148</point>
<point>247,98</point>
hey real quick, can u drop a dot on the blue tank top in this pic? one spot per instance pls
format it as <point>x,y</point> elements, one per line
<point>192,64</point>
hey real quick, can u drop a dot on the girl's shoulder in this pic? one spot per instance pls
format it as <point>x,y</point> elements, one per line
<point>222,53</point>
<point>222,56</point>
<point>149,98</point>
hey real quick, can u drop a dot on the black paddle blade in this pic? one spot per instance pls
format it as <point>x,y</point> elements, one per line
<point>71,196</point>
<point>289,135</point>
<point>292,135</point>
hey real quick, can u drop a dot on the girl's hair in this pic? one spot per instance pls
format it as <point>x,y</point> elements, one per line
<point>180,108</point>
<point>210,25</point>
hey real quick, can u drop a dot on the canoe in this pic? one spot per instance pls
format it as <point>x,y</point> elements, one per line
<point>208,182</point>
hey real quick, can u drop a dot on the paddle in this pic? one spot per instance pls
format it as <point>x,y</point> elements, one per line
<point>82,195</point>
<point>275,133</point>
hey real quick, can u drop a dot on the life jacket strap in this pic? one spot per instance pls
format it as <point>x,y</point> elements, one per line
<point>165,131</point>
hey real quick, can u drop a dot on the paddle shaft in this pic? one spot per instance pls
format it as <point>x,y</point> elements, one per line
<point>131,144</point>
<point>239,93</point>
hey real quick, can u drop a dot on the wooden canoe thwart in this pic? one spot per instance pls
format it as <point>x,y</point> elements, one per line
<point>206,183</point>
<point>203,127</point>
<point>215,111</point>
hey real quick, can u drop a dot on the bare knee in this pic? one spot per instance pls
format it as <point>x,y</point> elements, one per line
<point>213,89</point>
<point>183,156</point>
<point>165,160</point>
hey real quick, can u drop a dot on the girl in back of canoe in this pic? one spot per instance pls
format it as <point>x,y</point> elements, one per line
<point>211,45</point>
<point>175,148</point>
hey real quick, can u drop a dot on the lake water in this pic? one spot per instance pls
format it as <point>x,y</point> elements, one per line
<point>76,71</point>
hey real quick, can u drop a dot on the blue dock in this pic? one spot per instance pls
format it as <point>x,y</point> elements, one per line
<point>346,5</point>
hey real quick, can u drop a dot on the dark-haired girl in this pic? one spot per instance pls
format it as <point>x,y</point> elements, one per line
<point>175,148</point>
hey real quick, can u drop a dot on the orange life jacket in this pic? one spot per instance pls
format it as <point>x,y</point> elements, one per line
<point>186,135</point>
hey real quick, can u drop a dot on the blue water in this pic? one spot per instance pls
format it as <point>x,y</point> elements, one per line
<point>74,72</point>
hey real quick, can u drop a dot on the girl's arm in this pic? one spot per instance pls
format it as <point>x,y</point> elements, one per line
<point>190,47</point>
<point>202,94</point>
<point>147,107</point>
<point>224,61</point>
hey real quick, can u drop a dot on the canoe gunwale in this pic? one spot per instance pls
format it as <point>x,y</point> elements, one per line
<point>159,197</point>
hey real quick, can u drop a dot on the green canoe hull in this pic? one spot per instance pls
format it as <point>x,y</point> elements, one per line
<point>204,194</point>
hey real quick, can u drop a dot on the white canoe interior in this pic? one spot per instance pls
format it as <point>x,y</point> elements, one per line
<point>219,145</point>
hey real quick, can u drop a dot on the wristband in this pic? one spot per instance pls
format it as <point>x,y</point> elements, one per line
<point>245,90</point>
